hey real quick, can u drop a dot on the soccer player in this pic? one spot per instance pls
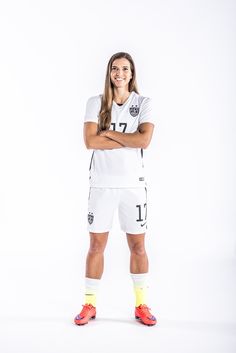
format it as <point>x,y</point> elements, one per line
<point>118,126</point>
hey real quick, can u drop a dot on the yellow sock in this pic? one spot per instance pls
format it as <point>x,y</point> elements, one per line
<point>140,287</point>
<point>90,298</point>
<point>140,295</point>
<point>91,290</point>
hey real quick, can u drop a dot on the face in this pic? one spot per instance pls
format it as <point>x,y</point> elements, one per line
<point>121,73</point>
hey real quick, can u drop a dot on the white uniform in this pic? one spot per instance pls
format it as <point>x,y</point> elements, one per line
<point>117,175</point>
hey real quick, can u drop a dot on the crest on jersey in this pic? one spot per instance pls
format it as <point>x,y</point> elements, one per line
<point>134,110</point>
<point>90,217</point>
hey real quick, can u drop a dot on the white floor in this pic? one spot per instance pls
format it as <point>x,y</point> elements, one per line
<point>114,334</point>
<point>193,300</point>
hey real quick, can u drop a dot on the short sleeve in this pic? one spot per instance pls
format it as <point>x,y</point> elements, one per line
<point>92,109</point>
<point>146,114</point>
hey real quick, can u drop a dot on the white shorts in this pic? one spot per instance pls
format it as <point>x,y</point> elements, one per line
<point>131,204</point>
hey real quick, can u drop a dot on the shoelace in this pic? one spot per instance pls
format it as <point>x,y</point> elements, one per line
<point>144,307</point>
<point>86,308</point>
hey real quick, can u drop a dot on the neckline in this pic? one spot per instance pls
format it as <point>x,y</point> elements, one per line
<point>125,102</point>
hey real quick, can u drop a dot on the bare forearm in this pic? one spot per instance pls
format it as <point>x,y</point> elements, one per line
<point>102,143</point>
<point>133,140</point>
<point>109,139</point>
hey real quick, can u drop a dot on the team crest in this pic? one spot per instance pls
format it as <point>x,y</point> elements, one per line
<point>90,217</point>
<point>134,110</point>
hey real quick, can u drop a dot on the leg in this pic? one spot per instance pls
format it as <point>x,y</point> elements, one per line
<point>101,207</point>
<point>95,257</point>
<point>138,255</point>
<point>139,271</point>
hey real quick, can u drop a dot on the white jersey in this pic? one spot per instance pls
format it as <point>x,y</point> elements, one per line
<point>122,167</point>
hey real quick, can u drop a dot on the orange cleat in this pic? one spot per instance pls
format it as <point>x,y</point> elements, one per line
<point>88,312</point>
<point>143,314</point>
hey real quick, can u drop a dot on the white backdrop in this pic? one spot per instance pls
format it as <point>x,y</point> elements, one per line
<point>53,58</point>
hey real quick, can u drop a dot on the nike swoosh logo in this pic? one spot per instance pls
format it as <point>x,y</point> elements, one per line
<point>143,224</point>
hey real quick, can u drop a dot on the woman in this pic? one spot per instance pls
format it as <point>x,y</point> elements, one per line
<point>118,126</point>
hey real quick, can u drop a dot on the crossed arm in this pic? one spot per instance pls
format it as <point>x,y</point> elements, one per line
<point>110,139</point>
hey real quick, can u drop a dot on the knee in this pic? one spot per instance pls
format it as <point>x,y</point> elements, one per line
<point>138,250</point>
<point>96,248</point>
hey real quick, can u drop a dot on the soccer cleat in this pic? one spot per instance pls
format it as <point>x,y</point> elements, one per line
<point>143,314</point>
<point>88,312</point>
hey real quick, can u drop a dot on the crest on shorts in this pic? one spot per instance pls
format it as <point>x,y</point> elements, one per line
<point>90,217</point>
<point>134,110</point>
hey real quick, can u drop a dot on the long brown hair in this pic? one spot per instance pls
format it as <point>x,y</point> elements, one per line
<point>108,94</point>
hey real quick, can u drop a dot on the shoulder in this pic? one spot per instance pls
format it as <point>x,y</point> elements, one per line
<point>94,100</point>
<point>142,100</point>
<point>145,109</point>
<point>92,108</point>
